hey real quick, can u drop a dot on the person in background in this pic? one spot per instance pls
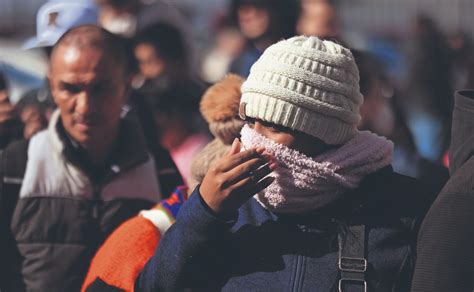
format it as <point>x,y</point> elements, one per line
<point>262,23</point>
<point>318,18</point>
<point>164,63</point>
<point>67,188</point>
<point>426,100</point>
<point>304,201</point>
<point>123,255</point>
<point>128,17</point>
<point>228,44</point>
<point>381,114</point>
<point>10,127</point>
<point>175,117</point>
<point>166,80</point>
<point>445,244</point>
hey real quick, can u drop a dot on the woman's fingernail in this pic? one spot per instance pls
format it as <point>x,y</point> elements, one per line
<point>273,165</point>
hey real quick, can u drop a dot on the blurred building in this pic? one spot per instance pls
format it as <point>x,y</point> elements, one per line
<point>396,16</point>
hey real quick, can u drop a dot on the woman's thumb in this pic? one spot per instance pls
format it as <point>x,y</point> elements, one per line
<point>235,148</point>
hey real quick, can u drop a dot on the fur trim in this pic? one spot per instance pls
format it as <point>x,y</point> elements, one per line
<point>227,131</point>
<point>221,101</point>
<point>204,159</point>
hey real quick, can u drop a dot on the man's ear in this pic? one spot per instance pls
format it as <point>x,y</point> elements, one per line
<point>49,79</point>
<point>51,84</point>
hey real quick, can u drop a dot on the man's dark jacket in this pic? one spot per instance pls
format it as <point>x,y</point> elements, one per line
<point>65,208</point>
<point>446,241</point>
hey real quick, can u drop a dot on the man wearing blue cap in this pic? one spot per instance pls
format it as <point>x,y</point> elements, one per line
<point>81,177</point>
<point>53,19</point>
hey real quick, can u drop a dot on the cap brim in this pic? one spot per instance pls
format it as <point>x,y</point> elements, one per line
<point>33,43</point>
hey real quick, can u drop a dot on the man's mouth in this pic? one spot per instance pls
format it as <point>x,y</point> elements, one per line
<point>85,124</point>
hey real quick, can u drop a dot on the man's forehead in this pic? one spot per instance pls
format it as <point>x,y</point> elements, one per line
<point>71,53</point>
<point>74,58</point>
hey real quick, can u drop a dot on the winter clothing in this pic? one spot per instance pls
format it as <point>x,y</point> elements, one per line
<point>203,160</point>
<point>258,249</point>
<point>261,251</point>
<point>308,85</point>
<point>118,262</point>
<point>185,152</point>
<point>124,254</point>
<point>446,241</point>
<point>219,107</point>
<point>66,208</point>
<point>167,172</point>
<point>304,183</point>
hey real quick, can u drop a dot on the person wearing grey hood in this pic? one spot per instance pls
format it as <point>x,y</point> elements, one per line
<point>446,239</point>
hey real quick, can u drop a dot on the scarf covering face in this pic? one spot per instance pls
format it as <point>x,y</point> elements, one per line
<point>303,184</point>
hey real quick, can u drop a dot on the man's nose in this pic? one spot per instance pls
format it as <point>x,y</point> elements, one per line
<point>84,103</point>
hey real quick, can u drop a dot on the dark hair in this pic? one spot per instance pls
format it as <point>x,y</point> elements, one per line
<point>370,68</point>
<point>94,36</point>
<point>283,15</point>
<point>3,82</point>
<point>168,42</point>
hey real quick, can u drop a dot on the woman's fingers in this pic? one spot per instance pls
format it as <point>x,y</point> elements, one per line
<point>251,187</point>
<point>263,171</point>
<point>254,167</point>
<point>233,160</point>
<point>235,148</point>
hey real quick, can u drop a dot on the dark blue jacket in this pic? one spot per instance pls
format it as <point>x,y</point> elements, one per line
<point>262,251</point>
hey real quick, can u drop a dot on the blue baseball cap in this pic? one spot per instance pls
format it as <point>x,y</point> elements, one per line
<point>55,17</point>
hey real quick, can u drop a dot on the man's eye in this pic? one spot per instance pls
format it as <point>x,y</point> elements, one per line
<point>70,88</point>
<point>100,88</point>
<point>274,129</point>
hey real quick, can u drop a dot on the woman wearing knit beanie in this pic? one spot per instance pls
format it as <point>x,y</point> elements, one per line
<point>304,201</point>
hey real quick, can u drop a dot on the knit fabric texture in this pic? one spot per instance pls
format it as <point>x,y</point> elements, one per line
<point>305,84</point>
<point>304,183</point>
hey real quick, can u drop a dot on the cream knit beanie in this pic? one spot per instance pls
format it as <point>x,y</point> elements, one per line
<point>305,84</point>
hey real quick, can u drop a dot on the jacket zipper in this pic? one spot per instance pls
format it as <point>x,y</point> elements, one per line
<point>96,202</point>
<point>299,273</point>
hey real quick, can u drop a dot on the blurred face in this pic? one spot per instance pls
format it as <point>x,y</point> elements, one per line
<point>231,41</point>
<point>151,65</point>
<point>89,89</point>
<point>318,19</point>
<point>306,144</point>
<point>253,21</point>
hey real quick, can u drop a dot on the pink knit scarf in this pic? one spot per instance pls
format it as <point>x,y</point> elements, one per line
<point>304,184</point>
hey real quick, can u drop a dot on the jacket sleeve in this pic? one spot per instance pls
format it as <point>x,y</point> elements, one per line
<point>445,246</point>
<point>125,252</point>
<point>190,253</point>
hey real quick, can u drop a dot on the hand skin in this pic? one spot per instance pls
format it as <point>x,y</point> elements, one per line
<point>235,178</point>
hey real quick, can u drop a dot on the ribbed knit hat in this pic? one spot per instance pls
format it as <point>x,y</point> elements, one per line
<point>305,84</point>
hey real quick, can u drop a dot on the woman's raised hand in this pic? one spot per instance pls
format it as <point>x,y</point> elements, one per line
<point>235,178</point>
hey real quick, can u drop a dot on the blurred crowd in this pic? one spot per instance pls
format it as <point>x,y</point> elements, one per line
<point>169,75</point>
<point>168,59</point>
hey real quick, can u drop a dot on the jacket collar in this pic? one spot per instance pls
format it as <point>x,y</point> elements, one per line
<point>129,151</point>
